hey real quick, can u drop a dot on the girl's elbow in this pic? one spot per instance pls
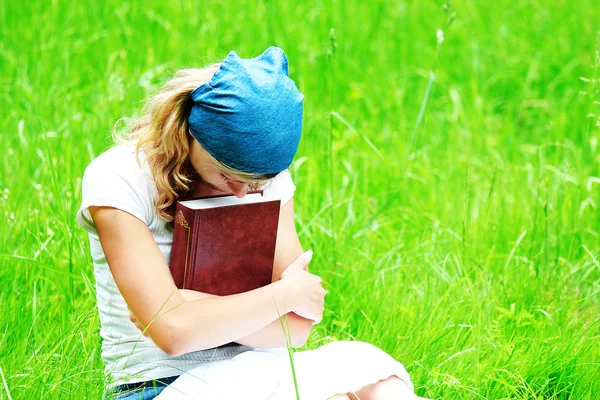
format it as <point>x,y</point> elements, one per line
<point>170,345</point>
<point>172,351</point>
<point>301,333</point>
<point>169,337</point>
<point>299,341</point>
<point>167,347</point>
<point>301,338</point>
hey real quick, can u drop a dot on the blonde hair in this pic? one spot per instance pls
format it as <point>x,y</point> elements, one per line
<point>162,132</point>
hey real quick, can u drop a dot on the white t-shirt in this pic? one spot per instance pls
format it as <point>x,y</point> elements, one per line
<point>114,179</point>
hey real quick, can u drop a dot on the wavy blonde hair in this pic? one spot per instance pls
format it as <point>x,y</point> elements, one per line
<point>162,132</point>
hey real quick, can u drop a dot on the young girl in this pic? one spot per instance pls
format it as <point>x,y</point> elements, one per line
<point>227,128</point>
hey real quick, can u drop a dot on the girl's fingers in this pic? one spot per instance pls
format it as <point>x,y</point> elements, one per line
<point>301,262</point>
<point>137,324</point>
<point>141,328</point>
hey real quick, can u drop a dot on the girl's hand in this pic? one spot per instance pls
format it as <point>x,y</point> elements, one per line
<point>133,319</point>
<point>306,295</point>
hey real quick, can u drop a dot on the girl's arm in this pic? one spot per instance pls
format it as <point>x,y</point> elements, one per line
<point>176,326</point>
<point>269,336</point>
<point>287,250</point>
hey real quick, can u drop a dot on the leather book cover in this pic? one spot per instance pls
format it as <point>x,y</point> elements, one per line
<point>224,250</point>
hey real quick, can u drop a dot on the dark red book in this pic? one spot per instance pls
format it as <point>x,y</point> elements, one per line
<point>223,245</point>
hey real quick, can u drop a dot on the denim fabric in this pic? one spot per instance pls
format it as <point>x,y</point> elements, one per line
<point>139,391</point>
<point>249,115</point>
<point>141,394</point>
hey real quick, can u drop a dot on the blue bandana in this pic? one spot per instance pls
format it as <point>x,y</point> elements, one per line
<point>249,115</point>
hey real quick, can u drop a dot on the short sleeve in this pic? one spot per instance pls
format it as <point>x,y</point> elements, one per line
<point>117,182</point>
<point>280,188</point>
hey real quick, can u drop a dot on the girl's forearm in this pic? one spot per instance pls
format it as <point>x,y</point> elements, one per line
<point>212,321</point>
<point>272,335</point>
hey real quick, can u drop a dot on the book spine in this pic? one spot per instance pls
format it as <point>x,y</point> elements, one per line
<point>181,249</point>
<point>194,245</point>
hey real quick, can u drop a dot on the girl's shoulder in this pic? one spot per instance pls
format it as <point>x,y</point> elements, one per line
<point>116,157</point>
<point>281,187</point>
<point>115,179</point>
<point>120,162</point>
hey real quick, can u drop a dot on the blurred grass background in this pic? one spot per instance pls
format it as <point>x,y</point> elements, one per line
<point>448,182</point>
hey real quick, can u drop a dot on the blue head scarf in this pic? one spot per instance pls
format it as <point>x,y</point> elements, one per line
<point>249,115</point>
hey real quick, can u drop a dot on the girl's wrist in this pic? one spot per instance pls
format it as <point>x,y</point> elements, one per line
<point>282,296</point>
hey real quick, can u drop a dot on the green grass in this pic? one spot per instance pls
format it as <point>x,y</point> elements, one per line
<point>458,230</point>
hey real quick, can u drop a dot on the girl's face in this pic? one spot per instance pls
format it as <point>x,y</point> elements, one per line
<point>211,176</point>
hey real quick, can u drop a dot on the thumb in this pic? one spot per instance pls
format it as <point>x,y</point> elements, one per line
<point>302,261</point>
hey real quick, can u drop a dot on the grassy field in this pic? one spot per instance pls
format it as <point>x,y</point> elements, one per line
<point>448,181</point>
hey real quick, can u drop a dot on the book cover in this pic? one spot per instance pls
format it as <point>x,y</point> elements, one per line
<point>223,245</point>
